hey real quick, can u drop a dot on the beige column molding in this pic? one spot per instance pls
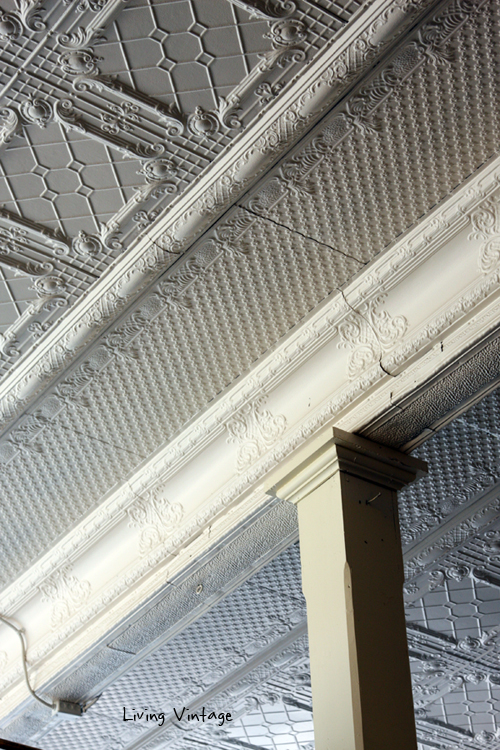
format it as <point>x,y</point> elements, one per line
<point>352,578</point>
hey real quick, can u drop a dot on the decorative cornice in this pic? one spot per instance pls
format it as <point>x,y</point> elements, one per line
<point>219,508</point>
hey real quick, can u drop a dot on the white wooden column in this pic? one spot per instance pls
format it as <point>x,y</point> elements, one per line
<point>352,578</point>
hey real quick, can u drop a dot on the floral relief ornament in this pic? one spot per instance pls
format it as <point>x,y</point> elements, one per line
<point>486,227</point>
<point>369,332</point>
<point>156,516</point>
<point>66,593</point>
<point>255,429</point>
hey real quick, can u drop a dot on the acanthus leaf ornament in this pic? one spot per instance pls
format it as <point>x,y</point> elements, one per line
<point>65,115</point>
<point>255,430</point>
<point>79,39</point>
<point>25,17</point>
<point>109,234</point>
<point>156,517</point>
<point>10,124</point>
<point>29,13</point>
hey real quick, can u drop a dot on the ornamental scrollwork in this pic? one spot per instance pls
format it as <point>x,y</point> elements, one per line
<point>156,517</point>
<point>10,27</point>
<point>287,33</point>
<point>159,170</point>
<point>79,62</point>
<point>86,245</point>
<point>10,124</point>
<point>285,37</point>
<point>66,593</point>
<point>79,38</point>
<point>36,111</point>
<point>268,9</point>
<point>26,17</point>
<point>255,430</point>
<point>202,123</point>
<point>485,222</point>
<point>120,118</point>
<point>369,332</point>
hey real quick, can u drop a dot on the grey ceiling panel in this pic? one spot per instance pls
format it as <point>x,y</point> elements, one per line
<point>140,399</point>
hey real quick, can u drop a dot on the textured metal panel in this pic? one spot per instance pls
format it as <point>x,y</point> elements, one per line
<point>452,392</point>
<point>464,460</point>
<point>183,601</point>
<point>110,109</point>
<point>193,350</point>
<point>363,182</point>
<point>248,654</point>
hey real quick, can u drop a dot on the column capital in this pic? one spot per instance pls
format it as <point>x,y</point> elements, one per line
<point>352,454</point>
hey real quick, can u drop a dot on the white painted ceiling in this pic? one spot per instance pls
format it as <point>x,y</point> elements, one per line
<point>84,181</point>
<point>249,655</point>
<point>404,140</point>
<point>110,111</point>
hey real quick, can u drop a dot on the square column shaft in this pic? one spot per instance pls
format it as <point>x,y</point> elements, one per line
<point>352,578</point>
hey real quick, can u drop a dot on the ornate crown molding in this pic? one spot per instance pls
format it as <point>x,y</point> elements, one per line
<point>181,501</point>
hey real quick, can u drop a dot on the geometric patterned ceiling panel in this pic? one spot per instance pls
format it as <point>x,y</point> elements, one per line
<point>453,481</point>
<point>249,653</point>
<point>215,312</point>
<point>110,110</point>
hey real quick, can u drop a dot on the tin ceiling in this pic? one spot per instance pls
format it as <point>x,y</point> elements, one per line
<point>111,109</point>
<point>405,138</point>
<point>248,654</point>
